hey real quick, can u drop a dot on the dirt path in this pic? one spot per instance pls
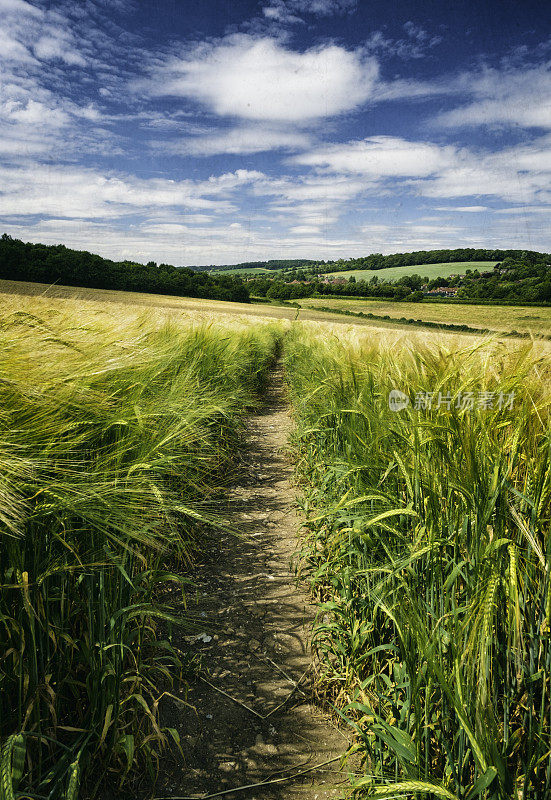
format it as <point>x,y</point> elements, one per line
<point>262,633</point>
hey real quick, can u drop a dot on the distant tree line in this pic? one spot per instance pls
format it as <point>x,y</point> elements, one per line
<point>378,261</point>
<point>524,278</point>
<point>406,288</point>
<point>23,261</point>
<point>273,264</point>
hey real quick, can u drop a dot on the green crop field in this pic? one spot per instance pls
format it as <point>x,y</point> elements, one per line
<point>428,271</point>
<point>525,319</point>
<point>427,542</point>
<point>184,307</point>
<point>424,539</point>
<point>243,271</point>
<point>115,428</point>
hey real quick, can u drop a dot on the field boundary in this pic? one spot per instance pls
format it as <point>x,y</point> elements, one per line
<point>419,323</point>
<point>458,301</point>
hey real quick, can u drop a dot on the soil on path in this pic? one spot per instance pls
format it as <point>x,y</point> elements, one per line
<point>260,623</point>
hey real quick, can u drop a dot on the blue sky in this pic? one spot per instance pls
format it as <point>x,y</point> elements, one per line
<point>217,132</point>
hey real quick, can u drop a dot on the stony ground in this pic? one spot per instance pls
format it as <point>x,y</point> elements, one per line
<point>255,647</point>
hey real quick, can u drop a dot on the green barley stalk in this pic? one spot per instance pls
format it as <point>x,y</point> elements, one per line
<point>114,429</point>
<point>428,545</point>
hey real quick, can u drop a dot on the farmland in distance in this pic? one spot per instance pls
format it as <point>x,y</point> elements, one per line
<point>428,271</point>
<point>525,319</point>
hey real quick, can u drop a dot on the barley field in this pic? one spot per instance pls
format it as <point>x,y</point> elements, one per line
<point>425,543</point>
<point>428,548</point>
<point>499,318</point>
<point>190,307</point>
<point>525,319</point>
<point>115,426</point>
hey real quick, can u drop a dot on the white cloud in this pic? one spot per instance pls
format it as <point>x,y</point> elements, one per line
<point>512,97</point>
<point>415,45</point>
<point>525,210</point>
<point>19,7</point>
<point>29,126</point>
<point>222,242</point>
<point>85,193</point>
<point>239,140</point>
<point>319,189</point>
<point>463,209</point>
<point>44,107</point>
<point>286,10</point>
<point>305,230</point>
<point>318,214</point>
<point>28,29</point>
<point>57,45</point>
<point>260,79</point>
<point>395,237</point>
<point>13,50</point>
<point>311,201</point>
<point>380,157</point>
<point>34,120</point>
<point>409,90</point>
<point>182,244</point>
<point>33,112</point>
<point>520,174</point>
<point>13,145</point>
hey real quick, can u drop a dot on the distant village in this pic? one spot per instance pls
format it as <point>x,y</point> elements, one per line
<point>517,276</point>
<point>440,291</point>
<point>338,280</point>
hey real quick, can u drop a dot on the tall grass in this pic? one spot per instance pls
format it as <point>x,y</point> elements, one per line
<point>113,432</point>
<point>429,550</point>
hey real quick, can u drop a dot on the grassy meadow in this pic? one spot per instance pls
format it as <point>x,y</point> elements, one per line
<point>427,271</point>
<point>115,426</point>
<point>428,548</point>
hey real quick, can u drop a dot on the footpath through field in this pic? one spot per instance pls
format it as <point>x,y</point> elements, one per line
<point>259,650</point>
